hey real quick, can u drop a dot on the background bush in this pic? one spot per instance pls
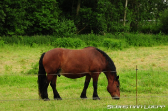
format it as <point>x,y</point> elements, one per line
<point>139,40</point>
<point>64,28</point>
<point>91,39</point>
<point>145,40</point>
<point>34,69</point>
<point>117,41</point>
<point>114,43</point>
<point>68,42</point>
<point>1,43</point>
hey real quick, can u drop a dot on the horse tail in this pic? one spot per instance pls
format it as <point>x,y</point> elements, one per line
<point>41,77</point>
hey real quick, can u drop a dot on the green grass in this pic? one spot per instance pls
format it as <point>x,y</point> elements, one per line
<point>19,91</point>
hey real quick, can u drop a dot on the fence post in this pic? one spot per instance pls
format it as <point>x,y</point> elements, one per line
<point>136,84</point>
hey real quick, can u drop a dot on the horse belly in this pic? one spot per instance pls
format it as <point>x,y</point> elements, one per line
<point>71,71</point>
<point>73,76</point>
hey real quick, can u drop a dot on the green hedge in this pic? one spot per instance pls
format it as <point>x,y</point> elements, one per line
<point>118,41</point>
<point>145,39</point>
<point>68,42</point>
<point>114,43</point>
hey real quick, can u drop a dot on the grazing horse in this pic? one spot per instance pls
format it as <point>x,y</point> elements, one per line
<point>89,62</point>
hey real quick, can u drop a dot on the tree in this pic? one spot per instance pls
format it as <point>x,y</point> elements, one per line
<point>42,16</point>
<point>125,11</point>
<point>2,18</point>
<point>164,21</point>
<point>134,6</point>
<point>78,7</point>
<point>12,17</point>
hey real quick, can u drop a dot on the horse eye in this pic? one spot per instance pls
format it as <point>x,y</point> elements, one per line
<point>117,86</point>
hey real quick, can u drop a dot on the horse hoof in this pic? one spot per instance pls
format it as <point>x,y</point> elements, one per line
<point>96,98</point>
<point>57,98</point>
<point>83,97</point>
<point>46,99</point>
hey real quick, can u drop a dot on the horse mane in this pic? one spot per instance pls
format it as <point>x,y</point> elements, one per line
<point>111,65</point>
<point>110,62</point>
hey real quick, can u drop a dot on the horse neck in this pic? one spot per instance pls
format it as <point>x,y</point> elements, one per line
<point>110,76</point>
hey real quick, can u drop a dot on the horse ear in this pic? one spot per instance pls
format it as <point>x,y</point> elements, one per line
<point>117,77</point>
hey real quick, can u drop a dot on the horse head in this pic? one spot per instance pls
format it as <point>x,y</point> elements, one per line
<point>114,88</point>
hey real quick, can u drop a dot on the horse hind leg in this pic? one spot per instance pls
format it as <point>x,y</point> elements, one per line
<point>43,85</point>
<point>45,98</point>
<point>86,84</point>
<point>44,94</point>
<point>53,85</point>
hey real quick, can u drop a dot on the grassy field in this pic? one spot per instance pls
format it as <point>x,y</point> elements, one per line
<point>18,90</point>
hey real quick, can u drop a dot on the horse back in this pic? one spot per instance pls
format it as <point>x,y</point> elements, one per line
<point>84,60</point>
<point>74,61</point>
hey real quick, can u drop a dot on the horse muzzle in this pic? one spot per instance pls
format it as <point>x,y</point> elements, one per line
<point>116,97</point>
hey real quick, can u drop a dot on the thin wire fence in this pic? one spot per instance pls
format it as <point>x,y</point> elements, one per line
<point>62,73</point>
<point>24,74</point>
<point>133,97</point>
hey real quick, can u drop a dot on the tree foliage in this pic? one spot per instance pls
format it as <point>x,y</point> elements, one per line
<point>164,21</point>
<point>66,17</point>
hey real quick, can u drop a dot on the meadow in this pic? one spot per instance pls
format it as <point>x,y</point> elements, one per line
<point>18,88</point>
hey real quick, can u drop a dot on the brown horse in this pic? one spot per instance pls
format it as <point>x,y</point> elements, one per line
<point>89,62</point>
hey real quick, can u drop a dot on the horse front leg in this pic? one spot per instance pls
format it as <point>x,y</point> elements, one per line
<point>53,85</point>
<point>95,81</point>
<point>95,95</point>
<point>86,84</point>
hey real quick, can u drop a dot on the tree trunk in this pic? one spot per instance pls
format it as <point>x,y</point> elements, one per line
<point>134,21</point>
<point>78,7</point>
<point>125,11</point>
